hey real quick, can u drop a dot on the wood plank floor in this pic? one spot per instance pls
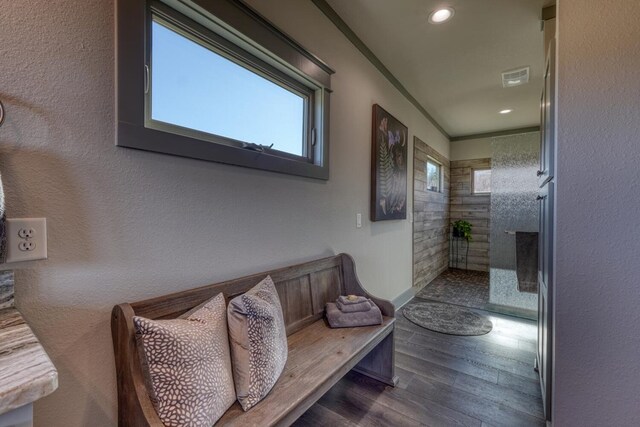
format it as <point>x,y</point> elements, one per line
<point>445,380</point>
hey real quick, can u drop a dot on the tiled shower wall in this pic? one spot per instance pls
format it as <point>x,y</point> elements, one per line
<point>430,218</point>
<point>514,187</point>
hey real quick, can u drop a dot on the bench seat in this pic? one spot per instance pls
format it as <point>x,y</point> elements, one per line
<point>318,357</point>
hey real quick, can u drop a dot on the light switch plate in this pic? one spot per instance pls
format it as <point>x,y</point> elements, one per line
<point>359,220</point>
<point>26,239</point>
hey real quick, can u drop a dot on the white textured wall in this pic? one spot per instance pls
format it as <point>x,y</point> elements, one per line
<point>469,149</point>
<point>126,225</point>
<point>597,370</point>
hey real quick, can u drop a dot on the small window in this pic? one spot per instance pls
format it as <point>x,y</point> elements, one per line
<point>481,181</point>
<point>434,175</point>
<point>216,81</point>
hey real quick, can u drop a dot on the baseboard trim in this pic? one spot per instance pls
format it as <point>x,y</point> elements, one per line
<point>403,298</point>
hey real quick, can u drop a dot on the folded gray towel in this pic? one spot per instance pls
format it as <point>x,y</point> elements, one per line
<point>354,308</point>
<point>346,301</point>
<point>527,261</point>
<point>338,319</point>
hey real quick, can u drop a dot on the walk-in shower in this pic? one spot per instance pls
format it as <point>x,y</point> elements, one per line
<point>514,208</point>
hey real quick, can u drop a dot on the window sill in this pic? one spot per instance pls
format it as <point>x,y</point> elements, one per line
<point>142,138</point>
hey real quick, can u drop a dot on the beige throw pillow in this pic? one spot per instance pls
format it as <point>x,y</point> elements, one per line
<point>187,365</point>
<point>258,342</point>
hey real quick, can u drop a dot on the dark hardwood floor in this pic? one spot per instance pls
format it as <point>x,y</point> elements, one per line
<point>445,380</point>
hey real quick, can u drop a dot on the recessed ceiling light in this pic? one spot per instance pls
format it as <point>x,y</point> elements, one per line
<point>439,16</point>
<point>505,111</point>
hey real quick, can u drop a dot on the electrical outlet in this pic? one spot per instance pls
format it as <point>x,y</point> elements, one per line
<point>26,233</point>
<point>26,239</point>
<point>27,246</point>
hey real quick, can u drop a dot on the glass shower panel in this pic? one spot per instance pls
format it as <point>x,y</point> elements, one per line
<point>514,187</point>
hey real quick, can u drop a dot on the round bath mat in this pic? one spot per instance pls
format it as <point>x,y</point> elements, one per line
<point>447,319</point>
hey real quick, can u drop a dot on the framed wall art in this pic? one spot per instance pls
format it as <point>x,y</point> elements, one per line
<point>388,167</point>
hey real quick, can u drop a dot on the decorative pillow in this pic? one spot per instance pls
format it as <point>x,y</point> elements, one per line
<point>187,314</point>
<point>187,365</point>
<point>258,342</point>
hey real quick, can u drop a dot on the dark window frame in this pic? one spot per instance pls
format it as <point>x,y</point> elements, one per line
<point>241,33</point>
<point>222,47</point>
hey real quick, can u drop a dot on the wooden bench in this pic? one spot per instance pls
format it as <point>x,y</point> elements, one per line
<point>318,355</point>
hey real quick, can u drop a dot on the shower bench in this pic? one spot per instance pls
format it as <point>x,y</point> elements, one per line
<point>318,355</point>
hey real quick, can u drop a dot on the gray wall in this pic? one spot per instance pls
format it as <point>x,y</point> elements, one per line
<point>469,149</point>
<point>514,187</point>
<point>126,225</point>
<point>597,311</point>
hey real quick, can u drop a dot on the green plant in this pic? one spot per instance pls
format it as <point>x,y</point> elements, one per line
<point>462,228</point>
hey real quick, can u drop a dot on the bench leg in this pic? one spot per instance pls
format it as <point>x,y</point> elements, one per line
<point>379,364</point>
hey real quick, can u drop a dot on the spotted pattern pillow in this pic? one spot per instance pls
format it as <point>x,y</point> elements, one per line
<point>187,365</point>
<point>258,342</point>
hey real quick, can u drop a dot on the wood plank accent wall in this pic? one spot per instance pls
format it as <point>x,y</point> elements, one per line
<point>430,217</point>
<point>473,208</point>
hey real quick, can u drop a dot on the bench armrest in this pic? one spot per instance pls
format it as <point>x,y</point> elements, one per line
<point>353,286</point>
<point>134,405</point>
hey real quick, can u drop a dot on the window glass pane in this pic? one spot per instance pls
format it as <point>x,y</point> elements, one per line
<point>482,181</point>
<point>196,88</point>
<point>433,176</point>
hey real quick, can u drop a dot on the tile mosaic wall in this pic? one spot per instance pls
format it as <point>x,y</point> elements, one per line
<point>514,207</point>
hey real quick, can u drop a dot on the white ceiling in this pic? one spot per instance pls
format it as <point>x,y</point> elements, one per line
<point>454,69</point>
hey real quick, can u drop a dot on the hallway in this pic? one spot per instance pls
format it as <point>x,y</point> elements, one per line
<point>445,380</point>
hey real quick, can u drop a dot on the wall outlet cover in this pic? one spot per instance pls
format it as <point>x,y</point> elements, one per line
<point>26,239</point>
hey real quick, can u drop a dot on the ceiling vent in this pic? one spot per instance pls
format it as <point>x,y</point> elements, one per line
<point>516,77</point>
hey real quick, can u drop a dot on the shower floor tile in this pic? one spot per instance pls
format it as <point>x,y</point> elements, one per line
<point>461,287</point>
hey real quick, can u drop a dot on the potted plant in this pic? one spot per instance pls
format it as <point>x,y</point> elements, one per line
<point>462,229</point>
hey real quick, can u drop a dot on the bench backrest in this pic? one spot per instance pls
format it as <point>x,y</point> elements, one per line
<point>304,289</point>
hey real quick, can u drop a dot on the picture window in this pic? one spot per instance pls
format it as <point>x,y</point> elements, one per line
<point>216,81</point>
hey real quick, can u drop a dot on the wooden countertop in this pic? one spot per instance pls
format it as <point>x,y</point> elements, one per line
<point>26,372</point>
